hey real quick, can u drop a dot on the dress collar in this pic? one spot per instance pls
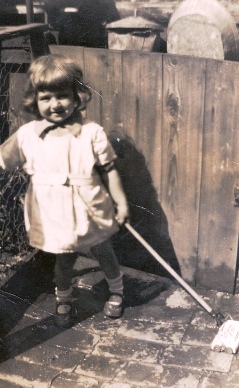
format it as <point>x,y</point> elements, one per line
<point>74,124</point>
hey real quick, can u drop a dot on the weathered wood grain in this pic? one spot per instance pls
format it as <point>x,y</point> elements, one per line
<point>142,106</point>
<point>74,52</point>
<point>183,108</point>
<point>219,218</point>
<point>103,72</point>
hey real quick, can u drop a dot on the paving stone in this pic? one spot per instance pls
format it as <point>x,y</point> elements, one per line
<point>26,374</point>
<point>153,311</point>
<point>21,341</point>
<point>72,380</point>
<point>213,298</point>
<point>30,336</point>
<point>42,308</point>
<point>179,378</point>
<point>88,280</point>
<point>153,332</point>
<point>12,310</point>
<point>177,297</point>
<point>129,349</point>
<point>219,381</point>
<point>76,340</point>
<point>203,319</point>
<point>197,358</point>
<point>84,263</point>
<point>199,336</point>
<point>22,324</point>
<point>231,381</point>
<point>235,364</point>
<point>171,305</point>
<point>88,304</point>
<point>7,384</point>
<point>99,324</point>
<point>230,306</point>
<point>143,375</point>
<point>138,292</point>
<point>144,276</point>
<point>233,378</point>
<point>158,376</point>
<point>100,367</point>
<point>118,385</point>
<point>55,357</point>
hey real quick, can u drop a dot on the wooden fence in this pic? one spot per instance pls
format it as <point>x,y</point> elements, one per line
<point>173,122</point>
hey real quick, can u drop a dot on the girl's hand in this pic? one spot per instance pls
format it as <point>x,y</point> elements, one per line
<point>122,213</point>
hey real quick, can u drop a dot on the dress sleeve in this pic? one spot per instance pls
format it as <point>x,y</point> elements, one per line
<point>103,150</point>
<point>10,153</point>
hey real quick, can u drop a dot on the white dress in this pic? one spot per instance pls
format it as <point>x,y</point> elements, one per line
<point>67,207</point>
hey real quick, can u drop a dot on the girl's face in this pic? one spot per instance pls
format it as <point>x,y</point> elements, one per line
<point>56,106</point>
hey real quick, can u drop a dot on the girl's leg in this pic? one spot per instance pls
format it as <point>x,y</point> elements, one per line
<point>63,276</point>
<point>105,254</point>
<point>64,269</point>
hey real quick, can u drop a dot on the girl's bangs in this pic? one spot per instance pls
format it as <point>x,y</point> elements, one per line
<point>52,79</point>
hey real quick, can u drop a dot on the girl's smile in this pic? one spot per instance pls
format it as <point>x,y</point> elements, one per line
<point>56,106</point>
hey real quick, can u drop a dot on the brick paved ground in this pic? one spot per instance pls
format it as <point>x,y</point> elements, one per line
<point>163,339</point>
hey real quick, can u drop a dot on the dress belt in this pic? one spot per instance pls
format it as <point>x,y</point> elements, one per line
<point>62,179</point>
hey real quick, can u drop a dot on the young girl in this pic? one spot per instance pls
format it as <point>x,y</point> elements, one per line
<point>75,199</point>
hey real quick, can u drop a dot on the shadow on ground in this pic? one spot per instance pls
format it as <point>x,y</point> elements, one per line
<point>27,299</point>
<point>27,302</point>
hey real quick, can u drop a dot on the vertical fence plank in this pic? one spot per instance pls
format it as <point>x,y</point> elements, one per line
<point>183,99</point>
<point>103,71</point>
<point>142,106</point>
<point>74,52</point>
<point>219,218</point>
<point>141,162</point>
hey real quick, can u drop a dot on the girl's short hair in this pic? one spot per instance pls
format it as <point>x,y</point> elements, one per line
<point>53,73</point>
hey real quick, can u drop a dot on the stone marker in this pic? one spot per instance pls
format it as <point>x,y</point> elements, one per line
<point>203,28</point>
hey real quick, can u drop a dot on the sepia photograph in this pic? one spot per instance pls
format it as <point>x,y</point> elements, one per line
<point>119,193</point>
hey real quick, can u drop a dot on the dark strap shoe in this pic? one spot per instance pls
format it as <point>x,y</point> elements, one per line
<point>64,314</point>
<point>114,306</point>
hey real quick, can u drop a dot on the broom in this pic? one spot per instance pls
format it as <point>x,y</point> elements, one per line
<point>227,338</point>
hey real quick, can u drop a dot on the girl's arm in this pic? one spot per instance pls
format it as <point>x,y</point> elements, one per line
<point>11,155</point>
<point>113,182</point>
<point>2,164</point>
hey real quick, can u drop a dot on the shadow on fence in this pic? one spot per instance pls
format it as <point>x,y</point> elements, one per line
<point>146,213</point>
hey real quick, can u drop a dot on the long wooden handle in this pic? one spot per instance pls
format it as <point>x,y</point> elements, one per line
<point>191,291</point>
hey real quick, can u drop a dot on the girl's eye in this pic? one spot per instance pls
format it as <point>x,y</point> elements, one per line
<point>43,98</point>
<point>63,96</point>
